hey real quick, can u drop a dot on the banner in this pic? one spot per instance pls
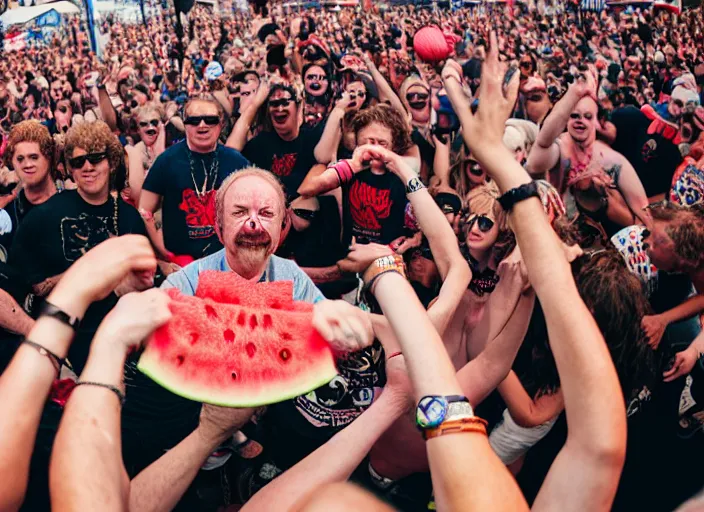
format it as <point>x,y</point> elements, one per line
<point>49,19</point>
<point>671,5</point>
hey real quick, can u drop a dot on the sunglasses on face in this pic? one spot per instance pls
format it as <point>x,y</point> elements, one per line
<point>153,122</point>
<point>417,96</point>
<point>357,94</point>
<point>576,117</point>
<point>484,223</point>
<point>526,65</point>
<point>78,162</point>
<point>318,78</point>
<point>196,120</point>
<point>281,102</point>
<point>304,214</point>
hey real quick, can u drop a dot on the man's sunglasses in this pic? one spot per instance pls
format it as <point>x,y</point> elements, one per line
<point>281,102</point>
<point>417,96</point>
<point>153,122</point>
<point>305,214</point>
<point>78,162</point>
<point>196,120</point>
<point>484,223</point>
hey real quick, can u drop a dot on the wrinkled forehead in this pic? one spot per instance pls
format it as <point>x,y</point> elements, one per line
<point>586,105</point>
<point>253,193</point>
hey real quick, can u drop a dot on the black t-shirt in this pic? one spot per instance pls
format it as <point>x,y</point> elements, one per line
<point>374,207</point>
<point>55,234</point>
<point>672,290</point>
<point>189,214</point>
<point>16,210</point>
<point>289,160</point>
<point>654,158</point>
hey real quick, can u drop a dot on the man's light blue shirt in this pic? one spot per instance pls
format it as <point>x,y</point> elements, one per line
<point>278,269</point>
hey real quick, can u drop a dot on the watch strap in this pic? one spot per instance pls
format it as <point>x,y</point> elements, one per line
<point>473,424</point>
<point>518,194</point>
<point>48,309</point>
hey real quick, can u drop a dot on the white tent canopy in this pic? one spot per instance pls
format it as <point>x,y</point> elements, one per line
<point>22,15</point>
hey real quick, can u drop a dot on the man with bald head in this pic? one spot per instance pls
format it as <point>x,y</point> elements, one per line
<point>250,222</point>
<point>593,178</point>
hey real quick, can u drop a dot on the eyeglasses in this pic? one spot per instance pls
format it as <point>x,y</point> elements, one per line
<point>196,120</point>
<point>281,102</point>
<point>78,162</point>
<point>153,122</point>
<point>417,96</point>
<point>319,78</point>
<point>526,65</point>
<point>484,223</point>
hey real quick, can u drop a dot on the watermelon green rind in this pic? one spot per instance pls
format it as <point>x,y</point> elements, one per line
<point>168,380</point>
<point>194,353</point>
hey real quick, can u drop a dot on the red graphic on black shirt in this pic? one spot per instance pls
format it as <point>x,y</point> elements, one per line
<point>369,205</point>
<point>283,165</point>
<point>200,213</point>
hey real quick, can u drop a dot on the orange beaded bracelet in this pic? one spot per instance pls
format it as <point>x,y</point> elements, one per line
<point>471,424</point>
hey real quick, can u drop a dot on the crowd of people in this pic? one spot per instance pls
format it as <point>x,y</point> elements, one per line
<point>510,233</point>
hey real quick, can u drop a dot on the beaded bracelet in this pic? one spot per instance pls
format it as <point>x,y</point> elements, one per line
<point>120,394</point>
<point>47,353</point>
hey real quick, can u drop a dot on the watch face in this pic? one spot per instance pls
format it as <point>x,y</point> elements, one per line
<point>431,411</point>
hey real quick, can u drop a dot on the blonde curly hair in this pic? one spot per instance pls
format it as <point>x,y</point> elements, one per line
<point>95,137</point>
<point>30,131</point>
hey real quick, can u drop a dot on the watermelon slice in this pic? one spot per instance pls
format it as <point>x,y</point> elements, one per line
<point>230,288</point>
<point>237,355</point>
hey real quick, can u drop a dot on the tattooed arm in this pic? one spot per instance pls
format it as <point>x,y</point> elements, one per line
<point>12,316</point>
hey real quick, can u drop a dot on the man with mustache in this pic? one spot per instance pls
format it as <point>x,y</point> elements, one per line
<point>250,211</point>
<point>184,180</point>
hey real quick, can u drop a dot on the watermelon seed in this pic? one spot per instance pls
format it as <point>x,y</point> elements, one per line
<point>286,336</point>
<point>285,354</point>
<point>267,322</point>
<point>180,359</point>
<point>194,338</point>
<point>229,335</point>
<point>253,321</point>
<point>251,349</point>
<point>234,375</point>
<point>241,318</point>
<point>210,311</point>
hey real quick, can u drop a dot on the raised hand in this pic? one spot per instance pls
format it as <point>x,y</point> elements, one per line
<point>134,318</point>
<point>97,273</point>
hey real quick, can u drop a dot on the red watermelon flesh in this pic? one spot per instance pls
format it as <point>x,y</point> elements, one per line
<point>230,288</point>
<point>236,356</point>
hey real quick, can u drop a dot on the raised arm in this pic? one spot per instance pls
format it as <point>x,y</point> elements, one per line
<point>25,384</point>
<point>326,149</point>
<point>339,457</point>
<point>545,153</point>
<point>592,458</point>
<point>87,472</point>
<point>524,410</point>
<point>238,137</point>
<point>385,89</point>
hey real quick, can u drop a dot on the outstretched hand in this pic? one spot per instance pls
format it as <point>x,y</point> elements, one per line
<point>483,130</point>
<point>346,327</point>
<point>134,318</point>
<point>98,272</point>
